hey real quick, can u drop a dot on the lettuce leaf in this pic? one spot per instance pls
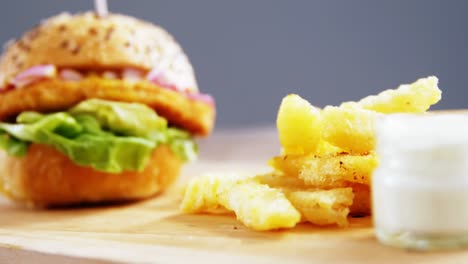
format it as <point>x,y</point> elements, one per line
<point>181,144</point>
<point>83,141</point>
<point>107,136</point>
<point>130,119</point>
<point>13,146</point>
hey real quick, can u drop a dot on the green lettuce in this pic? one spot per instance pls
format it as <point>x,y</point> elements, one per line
<point>13,146</point>
<point>130,119</point>
<point>107,136</point>
<point>181,144</point>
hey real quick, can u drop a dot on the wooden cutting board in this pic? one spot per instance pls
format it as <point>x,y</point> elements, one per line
<point>154,231</point>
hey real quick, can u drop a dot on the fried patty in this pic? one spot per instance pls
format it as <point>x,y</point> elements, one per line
<point>194,116</point>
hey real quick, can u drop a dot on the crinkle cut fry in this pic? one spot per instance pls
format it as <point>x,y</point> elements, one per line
<point>256,205</point>
<point>260,207</point>
<point>201,194</point>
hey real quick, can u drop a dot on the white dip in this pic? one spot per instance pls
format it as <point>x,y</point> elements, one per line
<point>420,189</point>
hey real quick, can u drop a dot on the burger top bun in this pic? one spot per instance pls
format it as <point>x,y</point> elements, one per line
<point>87,41</point>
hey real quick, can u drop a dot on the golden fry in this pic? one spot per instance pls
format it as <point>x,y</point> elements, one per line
<point>328,171</point>
<point>327,149</point>
<point>416,97</point>
<point>323,207</point>
<point>352,129</point>
<point>201,194</point>
<point>280,181</point>
<point>298,125</point>
<point>256,205</point>
<point>260,207</point>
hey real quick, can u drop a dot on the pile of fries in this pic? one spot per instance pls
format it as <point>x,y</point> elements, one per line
<point>324,171</point>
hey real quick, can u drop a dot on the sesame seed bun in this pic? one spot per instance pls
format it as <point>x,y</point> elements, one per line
<point>85,40</point>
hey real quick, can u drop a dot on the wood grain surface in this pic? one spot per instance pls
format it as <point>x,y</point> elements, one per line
<point>154,231</point>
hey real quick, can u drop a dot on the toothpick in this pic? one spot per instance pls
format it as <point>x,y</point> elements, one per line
<point>101,7</point>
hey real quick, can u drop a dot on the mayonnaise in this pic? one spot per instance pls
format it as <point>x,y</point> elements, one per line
<point>420,189</point>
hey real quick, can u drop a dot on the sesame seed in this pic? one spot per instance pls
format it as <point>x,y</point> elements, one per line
<point>147,50</point>
<point>76,50</point>
<point>23,46</point>
<point>33,33</point>
<point>62,28</point>
<point>64,44</point>
<point>92,31</point>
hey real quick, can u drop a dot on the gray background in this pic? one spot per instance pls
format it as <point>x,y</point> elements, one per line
<point>249,54</point>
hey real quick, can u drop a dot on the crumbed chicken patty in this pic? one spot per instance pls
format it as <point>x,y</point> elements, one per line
<point>53,95</point>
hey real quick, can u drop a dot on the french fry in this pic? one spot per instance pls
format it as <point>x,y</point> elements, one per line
<point>201,194</point>
<point>323,207</point>
<point>299,125</point>
<point>260,207</point>
<point>350,128</point>
<point>280,181</point>
<point>256,205</point>
<point>328,171</point>
<point>327,149</point>
<point>416,97</point>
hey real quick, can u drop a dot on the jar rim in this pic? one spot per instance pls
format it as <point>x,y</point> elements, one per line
<point>421,132</point>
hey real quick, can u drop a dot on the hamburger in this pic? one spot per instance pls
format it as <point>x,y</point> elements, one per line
<point>96,109</point>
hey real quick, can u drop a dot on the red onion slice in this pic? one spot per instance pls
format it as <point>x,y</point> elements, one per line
<point>165,84</point>
<point>154,74</point>
<point>34,74</point>
<point>110,75</point>
<point>205,98</point>
<point>157,77</point>
<point>71,75</point>
<point>132,75</point>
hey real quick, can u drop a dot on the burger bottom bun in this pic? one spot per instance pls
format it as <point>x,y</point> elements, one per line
<point>45,177</point>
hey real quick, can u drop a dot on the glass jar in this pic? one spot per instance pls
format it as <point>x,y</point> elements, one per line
<point>420,188</point>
